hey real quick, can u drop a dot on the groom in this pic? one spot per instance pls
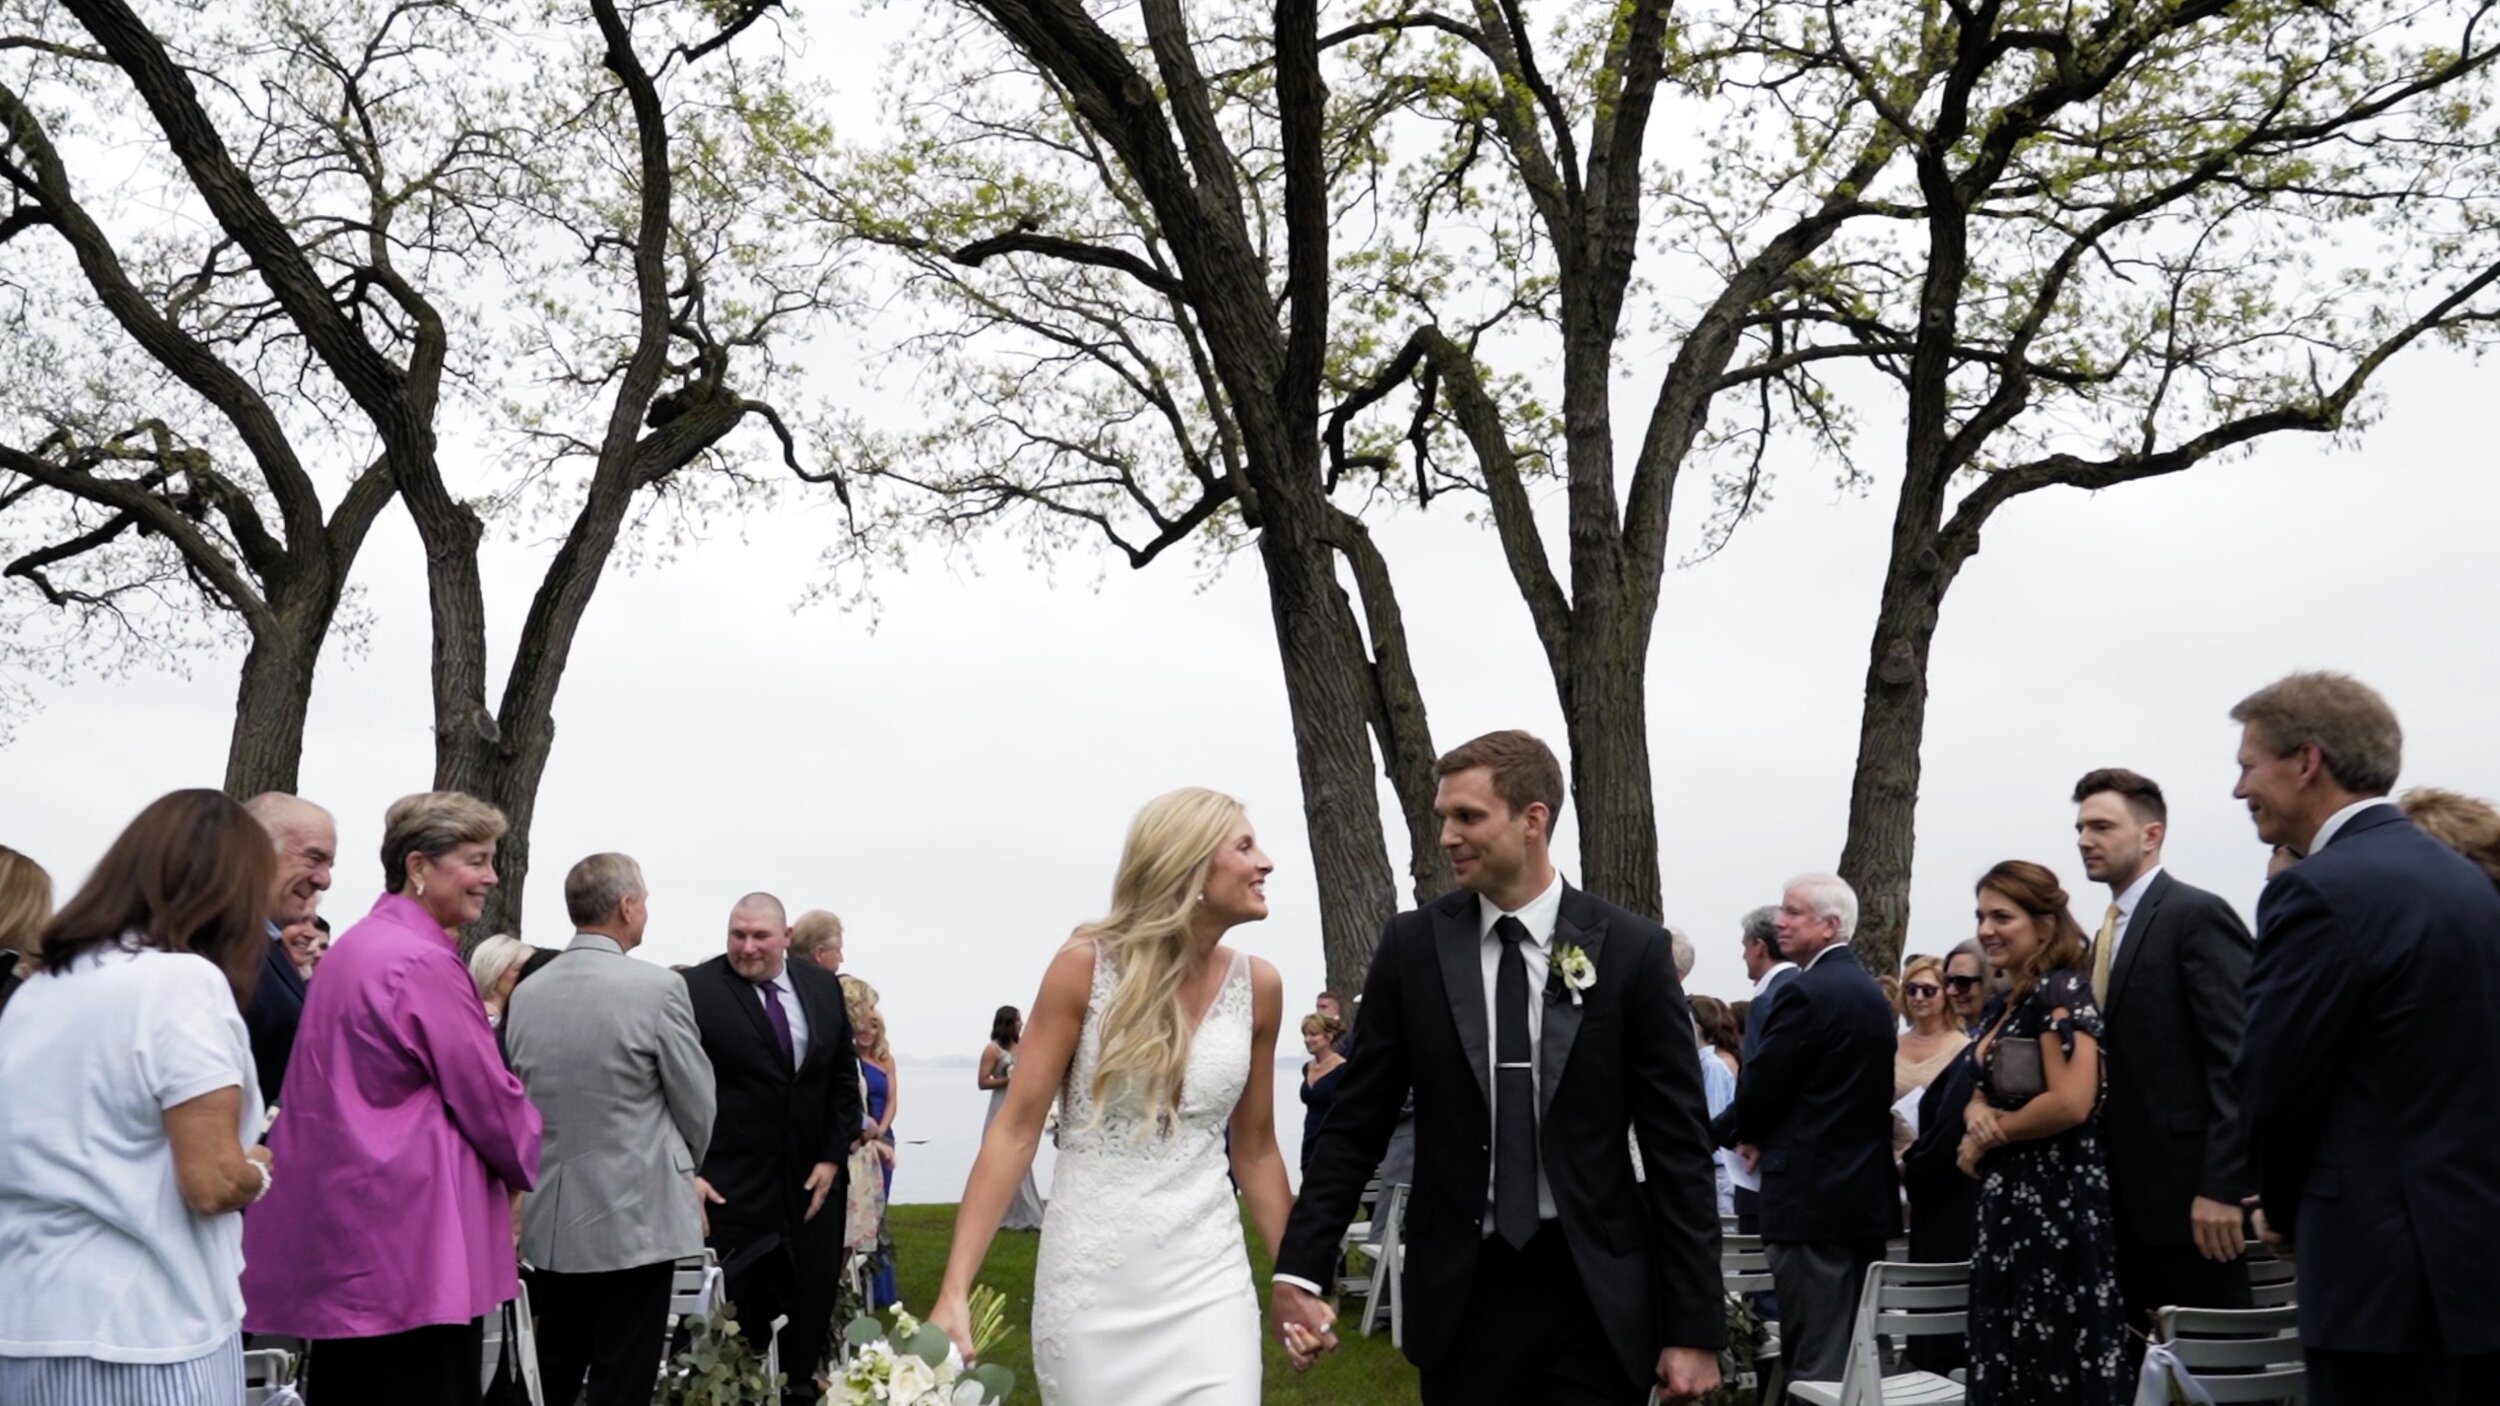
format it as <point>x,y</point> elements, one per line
<point>1537,1027</point>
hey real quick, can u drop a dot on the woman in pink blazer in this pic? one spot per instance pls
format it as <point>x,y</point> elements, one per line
<point>413,1137</point>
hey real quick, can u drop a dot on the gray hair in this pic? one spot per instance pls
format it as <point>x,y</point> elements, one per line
<point>492,959</point>
<point>1828,896</point>
<point>282,815</point>
<point>1682,948</point>
<point>813,929</point>
<point>1968,947</point>
<point>433,823</point>
<point>2345,719</point>
<point>596,885</point>
<point>1763,925</point>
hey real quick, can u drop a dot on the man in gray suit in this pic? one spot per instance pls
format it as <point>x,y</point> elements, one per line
<point>608,1049</point>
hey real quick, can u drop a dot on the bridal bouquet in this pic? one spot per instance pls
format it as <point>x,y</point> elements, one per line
<point>913,1364</point>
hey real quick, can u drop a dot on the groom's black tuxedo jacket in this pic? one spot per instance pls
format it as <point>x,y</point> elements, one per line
<point>1620,1062</point>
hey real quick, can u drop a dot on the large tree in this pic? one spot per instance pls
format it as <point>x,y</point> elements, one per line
<point>2150,235</point>
<point>427,198</point>
<point>1115,232</point>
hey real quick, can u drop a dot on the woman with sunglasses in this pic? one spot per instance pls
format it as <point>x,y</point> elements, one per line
<point>1966,988</point>
<point>1932,1040</point>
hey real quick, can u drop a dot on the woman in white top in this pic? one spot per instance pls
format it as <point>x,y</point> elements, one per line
<point>126,1138</point>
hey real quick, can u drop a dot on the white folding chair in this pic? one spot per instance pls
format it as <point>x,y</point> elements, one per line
<point>1900,1300</point>
<point>524,1348</point>
<point>269,1377</point>
<point>2273,1282</point>
<point>2239,1354</point>
<point>1388,1255</point>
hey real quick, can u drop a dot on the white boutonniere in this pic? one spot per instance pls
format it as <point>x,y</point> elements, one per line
<point>1577,971</point>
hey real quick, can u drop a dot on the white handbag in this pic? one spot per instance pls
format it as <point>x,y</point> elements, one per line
<point>2164,1382</point>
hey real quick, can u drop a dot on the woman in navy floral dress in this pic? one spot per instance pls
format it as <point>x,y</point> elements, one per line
<point>2046,1328</point>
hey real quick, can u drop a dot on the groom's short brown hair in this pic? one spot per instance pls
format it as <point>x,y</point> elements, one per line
<point>1525,772</point>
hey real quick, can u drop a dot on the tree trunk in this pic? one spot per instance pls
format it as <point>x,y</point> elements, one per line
<point>1883,794</point>
<point>266,750</point>
<point>1608,730</point>
<point>1399,720</point>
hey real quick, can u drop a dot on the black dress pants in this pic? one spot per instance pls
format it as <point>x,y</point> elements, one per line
<point>2400,1379</point>
<point>439,1365</point>
<point>606,1327</point>
<point>1529,1335</point>
<point>797,1278</point>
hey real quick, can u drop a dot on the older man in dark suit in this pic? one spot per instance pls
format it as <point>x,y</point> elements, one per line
<point>787,1075</point>
<point>2368,1074</point>
<point>307,841</point>
<point>2170,968</point>
<point>1814,1101</point>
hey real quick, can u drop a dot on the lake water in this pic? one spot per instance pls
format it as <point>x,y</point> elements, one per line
<point>940,1131</point>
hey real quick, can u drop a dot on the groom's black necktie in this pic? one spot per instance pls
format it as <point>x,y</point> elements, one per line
<point>1514,1092</point>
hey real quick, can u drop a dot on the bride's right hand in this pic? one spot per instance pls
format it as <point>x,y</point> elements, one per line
<point>952,1313</point>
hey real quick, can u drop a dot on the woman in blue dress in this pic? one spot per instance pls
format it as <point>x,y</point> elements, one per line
<point>876,1070</point>
<point>2046,1327</point>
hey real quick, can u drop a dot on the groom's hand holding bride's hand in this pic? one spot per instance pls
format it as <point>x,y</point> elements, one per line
<point>1687,1373</point>
<point>1304,1324</point>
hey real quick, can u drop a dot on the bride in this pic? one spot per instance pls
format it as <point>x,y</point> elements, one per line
<point>1159,1039</point>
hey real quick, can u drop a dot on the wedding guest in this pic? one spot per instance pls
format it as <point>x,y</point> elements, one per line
<point>1714,1022</point>
<point>306,941</point>
<point>1813,1111</point>
<point>1922,1051</point>
<point>1769,972</point>
<point>2170,974</point>
<point>2045,1323</point>
<point>1320,1074</point>
<point>1329,1005</point>
<point>876,1065</point>
<point>816,936</point>
<point>608,1049</point>
<point>787,1091</point>
<point>496,966</point>
<point>126,1136</point>
<point>386,1261</point>
<point>2468,825</point>
<point>1738,1012</point>
<point>307,843</point>
<point>1715,1043</point>
<point>2367,1072</point>
<point>998,1067</point>
<point>25,906</point>
<point>1943,1199</point>
<point>1966,988</point>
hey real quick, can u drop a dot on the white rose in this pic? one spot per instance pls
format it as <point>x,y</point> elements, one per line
<point>911,1380</point>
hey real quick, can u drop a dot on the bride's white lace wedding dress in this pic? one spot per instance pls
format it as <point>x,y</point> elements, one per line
<point>1142,1293</point>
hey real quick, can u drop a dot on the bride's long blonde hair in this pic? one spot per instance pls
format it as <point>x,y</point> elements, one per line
<point>1146,935</point>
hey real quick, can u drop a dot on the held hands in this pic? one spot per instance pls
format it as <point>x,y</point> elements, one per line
<point>2216,1226</point>
<point>1305,1325</point>
<point>1687,1373</point>
<point>704,1199</point>
<point>819,1183</point>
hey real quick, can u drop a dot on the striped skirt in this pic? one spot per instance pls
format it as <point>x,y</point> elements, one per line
<point>213,1380</point>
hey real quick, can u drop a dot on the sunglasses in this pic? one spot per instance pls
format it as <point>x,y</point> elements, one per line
<point>1921,988</point>
<point>1961,983</point>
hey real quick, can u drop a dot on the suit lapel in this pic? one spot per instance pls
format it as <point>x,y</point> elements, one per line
<point>1461,948</point>
<point>283,967</point>
<point>1562,1017</point>
<point>2139,927</point>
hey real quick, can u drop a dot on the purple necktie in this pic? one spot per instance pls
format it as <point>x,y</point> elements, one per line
<point>780,1019</point>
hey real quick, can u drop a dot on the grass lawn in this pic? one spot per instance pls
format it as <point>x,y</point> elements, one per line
<point>1362,1372</point>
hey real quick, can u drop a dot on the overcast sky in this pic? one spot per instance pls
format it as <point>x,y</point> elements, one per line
<point>956,781</point>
